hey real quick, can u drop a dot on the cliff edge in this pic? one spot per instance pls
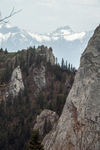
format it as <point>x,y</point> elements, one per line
<point>79,125</point>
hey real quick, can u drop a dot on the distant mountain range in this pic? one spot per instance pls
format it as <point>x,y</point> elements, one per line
<point>66,43</point>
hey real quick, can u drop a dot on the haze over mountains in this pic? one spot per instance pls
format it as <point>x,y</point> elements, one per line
<point>65,42</point>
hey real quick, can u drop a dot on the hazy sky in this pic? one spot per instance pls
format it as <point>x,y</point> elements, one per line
<point>46,15</point>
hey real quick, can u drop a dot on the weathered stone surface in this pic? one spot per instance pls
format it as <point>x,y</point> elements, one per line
<point>45,122</point>
<point>47,53</point>
<point>79,125</point>
<point>39,78</point>
<point>16,83</point>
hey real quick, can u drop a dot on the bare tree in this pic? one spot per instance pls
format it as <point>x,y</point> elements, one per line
<point>6,18</point>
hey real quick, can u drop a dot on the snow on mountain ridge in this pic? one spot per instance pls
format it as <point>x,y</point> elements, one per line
<point>74,36</point>
<point>4,37</point>
<point>39,38</point>
<point>64,33</point>
<point>5,25</point>
<point>66,43</point>
<point>6,28</point>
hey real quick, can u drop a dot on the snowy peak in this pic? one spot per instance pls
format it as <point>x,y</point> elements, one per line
<point>65,29</point>
<point>64,33</point>
<point>39,37</point>
<point>6,28</point>
<point>65,42</point>
<point>67,34</point>
<point>75,36</point>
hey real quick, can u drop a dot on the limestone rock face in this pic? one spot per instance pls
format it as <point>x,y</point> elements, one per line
<point>45,122</point>
<point>39,77</point>
<point>79,125</point>
<point>16,83</point>
<point>47,53</point>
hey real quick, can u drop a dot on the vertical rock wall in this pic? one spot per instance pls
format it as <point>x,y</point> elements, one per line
<point>79,125</point>
<point>16,83</point>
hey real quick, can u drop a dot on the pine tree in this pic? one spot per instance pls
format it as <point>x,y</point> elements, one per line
<point>66,65</point>
<point>62,63</point>
<point>56,61</point>
<point>6,52</point>
<point>16,62</point>
<point>69,67</point>
<point>35,143</point>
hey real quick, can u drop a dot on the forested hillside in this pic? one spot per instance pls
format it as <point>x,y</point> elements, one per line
<point>30,81</point>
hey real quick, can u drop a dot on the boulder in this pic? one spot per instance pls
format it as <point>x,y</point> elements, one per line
<point>45,122</point>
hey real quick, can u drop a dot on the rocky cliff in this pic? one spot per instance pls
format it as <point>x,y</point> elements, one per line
<point>45,122</point>
<point>16,83</point>
<point>47,53</point>
<point>79,125</point>
<point>36,83</point>
<point>39,78</point>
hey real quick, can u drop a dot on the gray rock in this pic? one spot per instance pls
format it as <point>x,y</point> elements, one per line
<point>47,53</point>
<point>16,83</point>
<point>39,78</point>
<point>45,122</point>
<point>79,125</point>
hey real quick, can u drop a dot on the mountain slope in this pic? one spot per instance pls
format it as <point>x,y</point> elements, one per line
<point>66,43</point>
<point>79,125</point>
<point>30,82</point>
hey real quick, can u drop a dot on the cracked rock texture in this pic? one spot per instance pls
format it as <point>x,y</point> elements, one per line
<point>79,125</point>
<point>16,83</point>
<point>39,78</point>
<point>45,122</point>
<point>46,53</point>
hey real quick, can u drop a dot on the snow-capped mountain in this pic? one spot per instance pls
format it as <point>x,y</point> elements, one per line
<point>66,43</point>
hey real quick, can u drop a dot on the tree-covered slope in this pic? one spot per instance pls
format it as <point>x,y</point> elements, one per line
<point>46,85</point>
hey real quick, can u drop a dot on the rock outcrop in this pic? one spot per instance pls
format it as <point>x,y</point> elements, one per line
<point>39,78</point>
<point>45,122</point>
<point>79,125</point>
<point>16,83</point>
<point>47,53</point>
